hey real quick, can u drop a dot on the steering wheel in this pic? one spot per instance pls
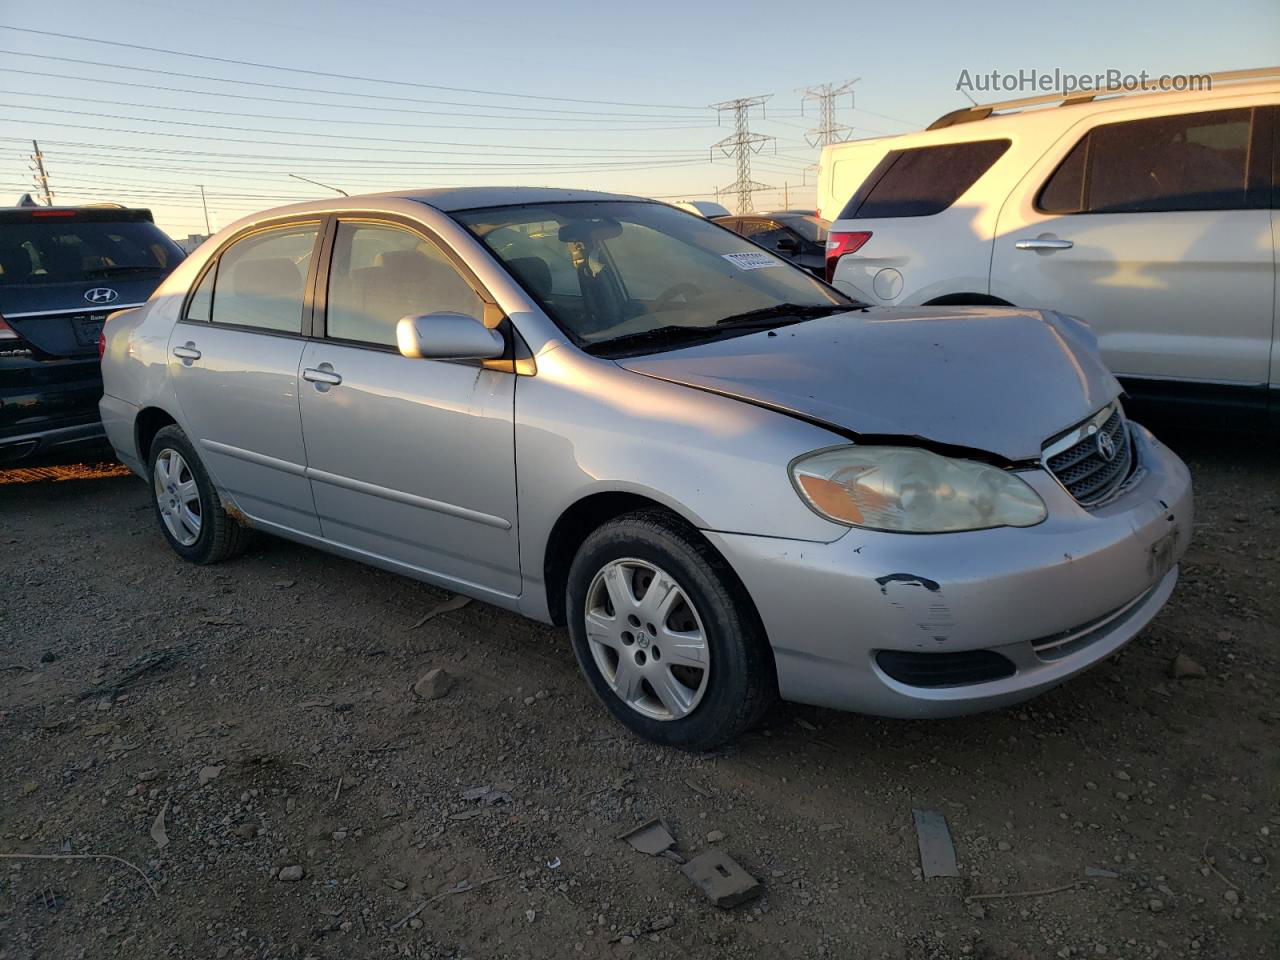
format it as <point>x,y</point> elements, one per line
<point>686,290</point>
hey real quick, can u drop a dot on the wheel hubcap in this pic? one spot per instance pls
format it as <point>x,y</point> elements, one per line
<point>178,497</point>
<point>647,639</point>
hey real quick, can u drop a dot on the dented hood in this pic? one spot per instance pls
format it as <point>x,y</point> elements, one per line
<point>1000,380</point>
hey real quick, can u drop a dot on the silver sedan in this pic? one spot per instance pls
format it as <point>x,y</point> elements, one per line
<point>731,482</point>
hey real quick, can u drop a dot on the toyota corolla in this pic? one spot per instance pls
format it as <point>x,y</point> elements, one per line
<point>729,481</point>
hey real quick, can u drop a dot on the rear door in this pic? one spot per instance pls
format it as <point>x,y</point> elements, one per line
<point>1156,230</point>
<point>411,460</point>
<point>233,362</point>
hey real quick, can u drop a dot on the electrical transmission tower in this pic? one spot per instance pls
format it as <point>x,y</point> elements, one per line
<point>39,175</point>
<point>741,145</point>
<point>827,131</point>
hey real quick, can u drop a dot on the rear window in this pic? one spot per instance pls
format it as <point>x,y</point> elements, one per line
<point>922,181</point>
<point>65,251</point>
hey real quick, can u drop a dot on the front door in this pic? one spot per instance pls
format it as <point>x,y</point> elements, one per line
<point>410,460</point>
<point>233,362</point>
<point>1156,232</point>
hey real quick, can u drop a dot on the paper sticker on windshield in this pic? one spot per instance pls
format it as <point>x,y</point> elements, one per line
<point>752,261</point>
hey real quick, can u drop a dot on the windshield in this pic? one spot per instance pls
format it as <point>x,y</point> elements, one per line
<point>621,271</point>
<point>67,251</point>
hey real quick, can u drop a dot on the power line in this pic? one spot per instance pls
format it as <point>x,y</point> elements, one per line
<point>187,75</point>
<point>741,145</point>
<point>331,136</point>
<point>690,123</point>
<point>342,76</point>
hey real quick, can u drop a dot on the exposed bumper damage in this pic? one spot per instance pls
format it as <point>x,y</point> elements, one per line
<point>1018,610</point>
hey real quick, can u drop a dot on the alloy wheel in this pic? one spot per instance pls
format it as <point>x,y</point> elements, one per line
<point>647,639</point>
<point>177,496</point>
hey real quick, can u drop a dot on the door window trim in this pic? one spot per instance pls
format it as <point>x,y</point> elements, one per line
<point>517,358</point>
<point>308,283</point>
<point>1259,184</point>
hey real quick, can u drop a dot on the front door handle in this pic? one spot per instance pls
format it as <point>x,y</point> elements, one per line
<point>1044,243</point>
<point>322,376</point>
<point>187,353</point>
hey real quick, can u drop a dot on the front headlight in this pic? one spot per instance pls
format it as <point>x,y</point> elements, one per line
<point>911,490</point>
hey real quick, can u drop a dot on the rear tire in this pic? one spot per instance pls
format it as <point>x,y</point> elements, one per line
<point>703,671</point>
<point>187,507</point>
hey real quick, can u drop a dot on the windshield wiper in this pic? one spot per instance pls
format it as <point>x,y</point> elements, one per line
<point>665,334</point>
<point>109,271</point>
<point>780,311</point>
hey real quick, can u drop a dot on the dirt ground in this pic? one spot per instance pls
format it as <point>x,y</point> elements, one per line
<point>214,726</point>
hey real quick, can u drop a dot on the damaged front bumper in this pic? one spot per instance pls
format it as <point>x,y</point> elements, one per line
<point>936,625</point>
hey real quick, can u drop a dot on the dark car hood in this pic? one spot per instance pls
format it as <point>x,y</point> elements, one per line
<point>993,379</point>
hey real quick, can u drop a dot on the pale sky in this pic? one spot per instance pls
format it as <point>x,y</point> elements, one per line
<point>406,94</point>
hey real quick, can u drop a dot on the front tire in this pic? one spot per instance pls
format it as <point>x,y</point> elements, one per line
<point>666,634</point>
<point>187,506</point>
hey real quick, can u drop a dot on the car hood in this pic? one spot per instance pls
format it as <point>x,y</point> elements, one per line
<point>999,380</point>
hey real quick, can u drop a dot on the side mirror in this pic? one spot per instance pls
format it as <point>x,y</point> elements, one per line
<point>448,336</point>
<point>787,245</point>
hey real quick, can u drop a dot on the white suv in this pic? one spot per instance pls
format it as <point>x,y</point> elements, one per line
<point>1152,216</point>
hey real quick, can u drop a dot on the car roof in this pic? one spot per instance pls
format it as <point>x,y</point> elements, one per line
<point>449,199</point>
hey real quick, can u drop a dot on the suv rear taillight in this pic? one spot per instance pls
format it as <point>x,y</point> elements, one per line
<point>7,332</point>
<point>838,244</point>
<point>102,341</point>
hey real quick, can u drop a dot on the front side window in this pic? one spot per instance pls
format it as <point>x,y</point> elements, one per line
<point>1190,161</point>
<point>620,275</point>
<point>382,273</point>
<point>764,232</point>
<point>922,181</point>
<point>259,281</point>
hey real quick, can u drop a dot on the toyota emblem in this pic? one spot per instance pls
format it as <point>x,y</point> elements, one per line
<point>1106,446</point>
<point>101,296</point>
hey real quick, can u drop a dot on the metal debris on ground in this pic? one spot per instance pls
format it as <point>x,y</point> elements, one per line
<point>937,852</point>
<point>158,833</point>
<point>456,602</point>
<point>721,879</point>
<point>652,838</point>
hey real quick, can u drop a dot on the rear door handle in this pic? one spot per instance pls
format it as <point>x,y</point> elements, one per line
<point>322,376</point>
<point>1044,243</point>
<point>187,353</point>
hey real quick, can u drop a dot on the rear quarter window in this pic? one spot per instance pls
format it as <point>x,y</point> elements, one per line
<point>922,181</point>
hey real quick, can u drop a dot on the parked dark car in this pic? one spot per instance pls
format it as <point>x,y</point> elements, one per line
<point>62,271</point>
<point>794,235</point>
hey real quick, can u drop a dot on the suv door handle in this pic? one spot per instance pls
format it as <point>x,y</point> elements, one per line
<point>1044,243</point>
<point>322,376</point>
<point>187,353</point>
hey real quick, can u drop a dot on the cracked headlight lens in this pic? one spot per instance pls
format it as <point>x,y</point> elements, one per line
<point>912,490</point>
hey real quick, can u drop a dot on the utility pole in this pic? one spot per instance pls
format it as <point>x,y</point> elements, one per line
<point>204,203</point>
<point>41,176</point>
<point>741,145</point>
<point>827,131</point>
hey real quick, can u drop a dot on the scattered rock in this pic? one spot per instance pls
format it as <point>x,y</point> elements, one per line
<point>1155,905</point>
<point>531,915</point>
<point>1231,897</point>
<point>285,584</point>
<point>394,884</point>
<point>1123,775</point>
<point>1184,668</point>
<point>29,788</point>
<point>1101,873</point>
<point>715,836</point>
<point>48,656</point>
<point>291,874</point>
<point>976,910</point>
<point>209,773</point>
<point>146,776</point>
<point>433,684</point>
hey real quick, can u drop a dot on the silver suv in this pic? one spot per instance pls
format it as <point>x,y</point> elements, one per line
<point>729,480</point>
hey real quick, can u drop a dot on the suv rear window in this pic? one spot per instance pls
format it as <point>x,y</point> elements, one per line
<point>37,252</point>
<point>923,181</point>
<point>1190,161</point>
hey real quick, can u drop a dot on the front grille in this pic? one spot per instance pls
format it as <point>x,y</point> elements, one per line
<point>1083,466</point>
